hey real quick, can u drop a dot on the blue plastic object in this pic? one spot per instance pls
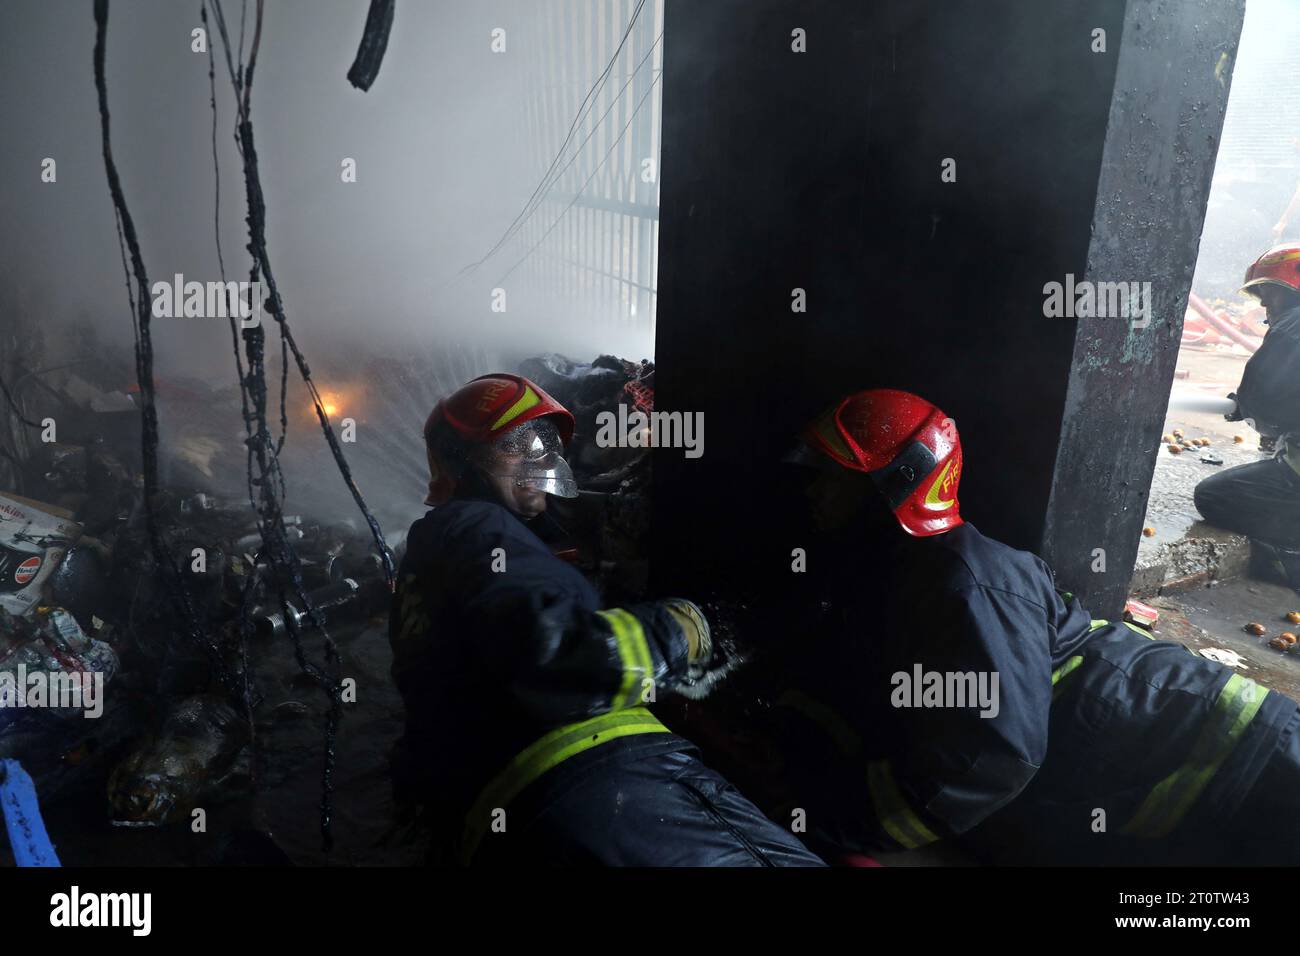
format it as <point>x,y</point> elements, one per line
<point>27,836</point>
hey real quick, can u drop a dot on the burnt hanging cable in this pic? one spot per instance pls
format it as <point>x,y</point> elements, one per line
<point>236,74</point>
<point>144,370</point>
<point>374,42</point>
<point>216,179</point>
<point>244,623</point>
<point>266,494</point>
<point>236,68</point>
<point>126,276</point>
<point>257,247</point>
<point>287,572</point>
<point>18,412</point>
<point>263,452</point>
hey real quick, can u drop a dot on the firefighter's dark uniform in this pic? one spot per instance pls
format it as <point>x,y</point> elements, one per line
<point>1106,745</point>
<point>526,739</point>
<point>1262,499</point>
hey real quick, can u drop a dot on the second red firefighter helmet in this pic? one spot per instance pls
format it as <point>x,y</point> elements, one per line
<point>483,412</point>
<point>907,446</point>
<point>1279,266</point>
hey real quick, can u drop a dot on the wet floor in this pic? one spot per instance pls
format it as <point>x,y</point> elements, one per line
<point>1171,512</point>
<point>1215,617</point>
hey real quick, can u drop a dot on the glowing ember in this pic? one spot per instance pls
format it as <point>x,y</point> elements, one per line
<point>331,402</point>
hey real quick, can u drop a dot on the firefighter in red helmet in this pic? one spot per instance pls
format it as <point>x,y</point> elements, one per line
<point>1262,499</point>
<point>937,687</point>
<point>906,448</point>
<point>503,437</point>
<point>528,740</point>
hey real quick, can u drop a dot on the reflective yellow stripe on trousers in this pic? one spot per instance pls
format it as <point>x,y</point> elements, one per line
<point>892,810</point>
<point>546,754</point>
<point>1167,804</point>
<point>831,723</point>
<point>634,653</point>
<point>888,803</point>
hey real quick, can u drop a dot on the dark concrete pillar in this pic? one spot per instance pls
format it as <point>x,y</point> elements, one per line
<point>1171,91</point>
<point>821,171</point>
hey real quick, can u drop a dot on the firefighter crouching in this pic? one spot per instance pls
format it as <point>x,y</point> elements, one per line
<point>1261,499</point>
<point>1078,741</point>
<point>527,739</point>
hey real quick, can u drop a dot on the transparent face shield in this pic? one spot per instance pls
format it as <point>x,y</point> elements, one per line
<point>529,458</point>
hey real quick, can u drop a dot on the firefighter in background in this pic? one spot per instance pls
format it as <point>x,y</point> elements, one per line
<point>1096,744</point>
<point>1262,499</point>
<point>527,741</point>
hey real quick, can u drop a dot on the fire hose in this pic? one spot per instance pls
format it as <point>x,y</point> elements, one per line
<point>1197,402</point>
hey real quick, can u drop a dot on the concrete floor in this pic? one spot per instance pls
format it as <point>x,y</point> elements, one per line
<point>1215,617</point>
<point>1198,576</point>
<point>1184,551</point>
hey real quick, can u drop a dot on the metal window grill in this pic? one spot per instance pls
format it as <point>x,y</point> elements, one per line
<point>591,248</point>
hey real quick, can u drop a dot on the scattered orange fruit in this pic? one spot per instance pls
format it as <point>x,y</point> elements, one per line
<point>1238,439</point>
<point>1293,617</point>
<point>1175,449</point>
<point>1149,531</point>
<point>1257,629</point>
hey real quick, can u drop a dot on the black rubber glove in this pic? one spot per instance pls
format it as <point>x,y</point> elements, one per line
<point>1234,415</point>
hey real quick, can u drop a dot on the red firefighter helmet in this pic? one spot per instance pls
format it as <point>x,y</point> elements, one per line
<point>478,413</point>
<point>1279,266</point>
<point>908,447</point>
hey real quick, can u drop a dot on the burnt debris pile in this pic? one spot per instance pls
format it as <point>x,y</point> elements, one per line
<point>88,628</point>
<point>611,517</point>
<point>181,559</point>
